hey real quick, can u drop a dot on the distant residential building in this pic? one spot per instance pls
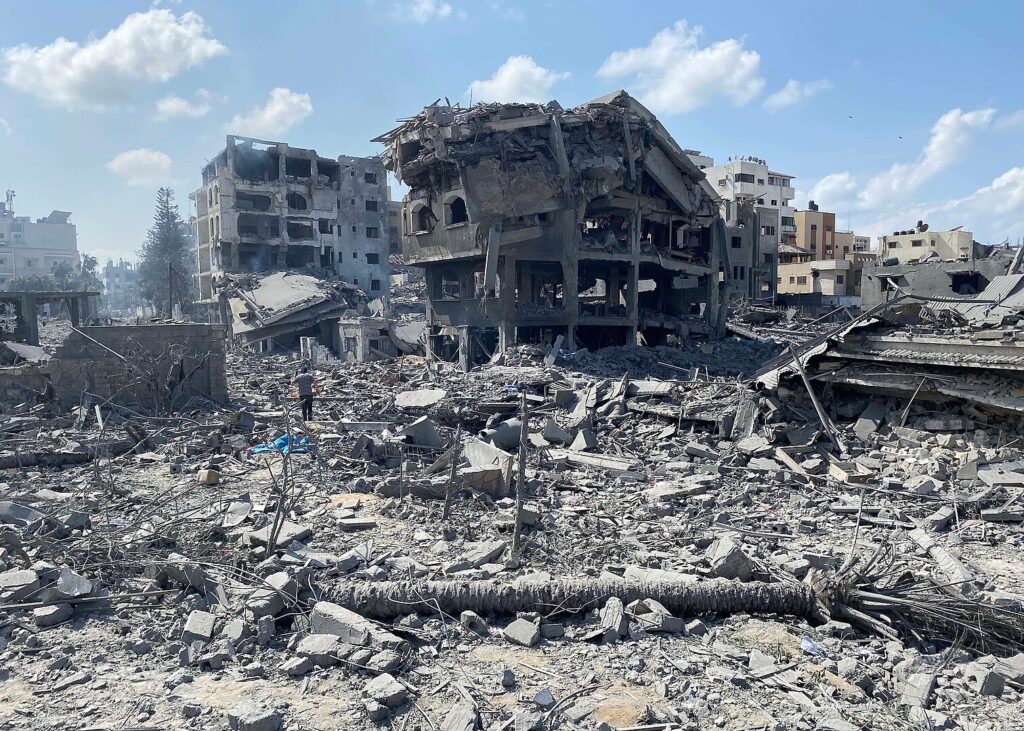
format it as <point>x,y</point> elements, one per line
<point>750,180</point>
<point>912,245</point>
<point>816,235</point>
<point>700,160</point>
<point>33,248</point>
<point>120,285</point>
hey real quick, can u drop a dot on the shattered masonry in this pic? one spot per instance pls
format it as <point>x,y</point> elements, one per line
<point>533,222</point>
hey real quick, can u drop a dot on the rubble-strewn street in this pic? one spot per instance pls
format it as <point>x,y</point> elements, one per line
<point>529,366</point>
<point>679,550</point>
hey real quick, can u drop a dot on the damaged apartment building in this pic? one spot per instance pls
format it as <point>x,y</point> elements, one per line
<point>267,206</point>
<point>587,227</point>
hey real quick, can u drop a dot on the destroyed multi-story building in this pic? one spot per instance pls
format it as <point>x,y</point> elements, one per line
<point>266,206</point>
<point>534,223</point>
<point>120,285</point>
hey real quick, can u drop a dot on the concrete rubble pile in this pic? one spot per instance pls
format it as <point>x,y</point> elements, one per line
<point>627,538</point>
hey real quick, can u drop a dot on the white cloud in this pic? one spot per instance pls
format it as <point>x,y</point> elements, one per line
<point>422,11</point>
<point>284,109</point>
<point>174,106</point>
<point>834,191</point>
<point>1007,121</point>
<point>5,127</point>
<point>154,46</point>
<point>950,140</point>
<point>1005,194</point>
<point>676,75</point>
<point>503,10</point>
<point>142,167</point>
<point>795,92</point>
<point>519,79</point>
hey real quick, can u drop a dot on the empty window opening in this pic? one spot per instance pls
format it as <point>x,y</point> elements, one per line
<point>448,286</point>
<point>252,202</point>
<point>327,173</point>
<point>297,202</point>
<point>298,167</point>
<point>371,205</point>
<point>374,285</point>
<point>300,256</point>
<point>737,242</point>
<point>423,219</point>
<point>255,225</point>
<point>255,162</point>
<point>370,177</point>
<point>457,211</point>
<point>300,230</point>
<point>325,225</point>
<point>372,232</point>
<point>373,258</point>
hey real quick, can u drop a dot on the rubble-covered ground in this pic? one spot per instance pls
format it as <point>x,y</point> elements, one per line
<point>770,578</point>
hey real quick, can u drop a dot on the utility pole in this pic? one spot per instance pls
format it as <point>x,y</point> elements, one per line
<point>170,273</point>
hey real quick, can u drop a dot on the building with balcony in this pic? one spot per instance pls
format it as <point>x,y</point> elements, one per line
<point>750,180</point>
<point>267,205</point>
<point>33,248</point>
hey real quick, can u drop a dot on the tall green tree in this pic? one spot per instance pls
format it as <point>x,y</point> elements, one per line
<point>163,278</point>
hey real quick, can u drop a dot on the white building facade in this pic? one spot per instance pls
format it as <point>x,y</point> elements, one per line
<point>33,248</point>
<point>750,180</point>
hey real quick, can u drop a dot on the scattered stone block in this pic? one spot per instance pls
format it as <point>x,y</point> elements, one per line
<point>728,560</point>
<point>544,698</point>
<point>696,628</point>
<point>613,620</point>
<point>332,619</point>
<point>385,661</point>
<point>552,630</point>
<point>251,716</point>
<point>652,616</point>
<point>321,649</point>
<point>296,666</point>
<point>522,632</point>
<point>386,690</point>
<point>199,626</point>
<point>208,477</point>
<point>375,711</point>
<point>585,441</point>
<point>52,614</point>
<point>17,584</point>
<point>461,717</point>
<point>917,690</point>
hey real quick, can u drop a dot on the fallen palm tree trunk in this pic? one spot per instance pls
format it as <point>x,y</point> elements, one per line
<point>388,599</point>
<point>920,609</point>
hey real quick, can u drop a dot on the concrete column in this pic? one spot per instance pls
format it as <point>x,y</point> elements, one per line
<point>571,275</point>
<point>633,274</point>
<point>465,350</point>
<point>507,297</point>
<point>31,319</point>
<point>74,306</point>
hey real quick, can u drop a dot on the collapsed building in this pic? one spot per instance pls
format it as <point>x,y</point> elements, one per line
<point>587,227</point>
<point>935,276</point>
<point>293,245</point>
<point>266,206</point>
<point>946,351</point>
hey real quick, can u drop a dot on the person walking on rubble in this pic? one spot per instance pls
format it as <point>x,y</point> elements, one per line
<point>305,381</point>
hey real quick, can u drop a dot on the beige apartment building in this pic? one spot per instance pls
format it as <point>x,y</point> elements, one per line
<point>912,245</point>
<point>823,260</point>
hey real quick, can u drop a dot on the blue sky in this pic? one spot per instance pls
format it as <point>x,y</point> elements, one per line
<point>885,112</point>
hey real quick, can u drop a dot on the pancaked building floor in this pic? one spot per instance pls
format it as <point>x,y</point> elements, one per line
<point>806,532</point>
<point>533,223</point>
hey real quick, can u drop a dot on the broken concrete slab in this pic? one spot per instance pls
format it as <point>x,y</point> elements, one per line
<point>333,619</point>
<point>420,399</point>
<point>522,632</point>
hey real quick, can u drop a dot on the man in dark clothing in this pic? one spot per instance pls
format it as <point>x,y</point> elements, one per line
<point>304,381</point>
